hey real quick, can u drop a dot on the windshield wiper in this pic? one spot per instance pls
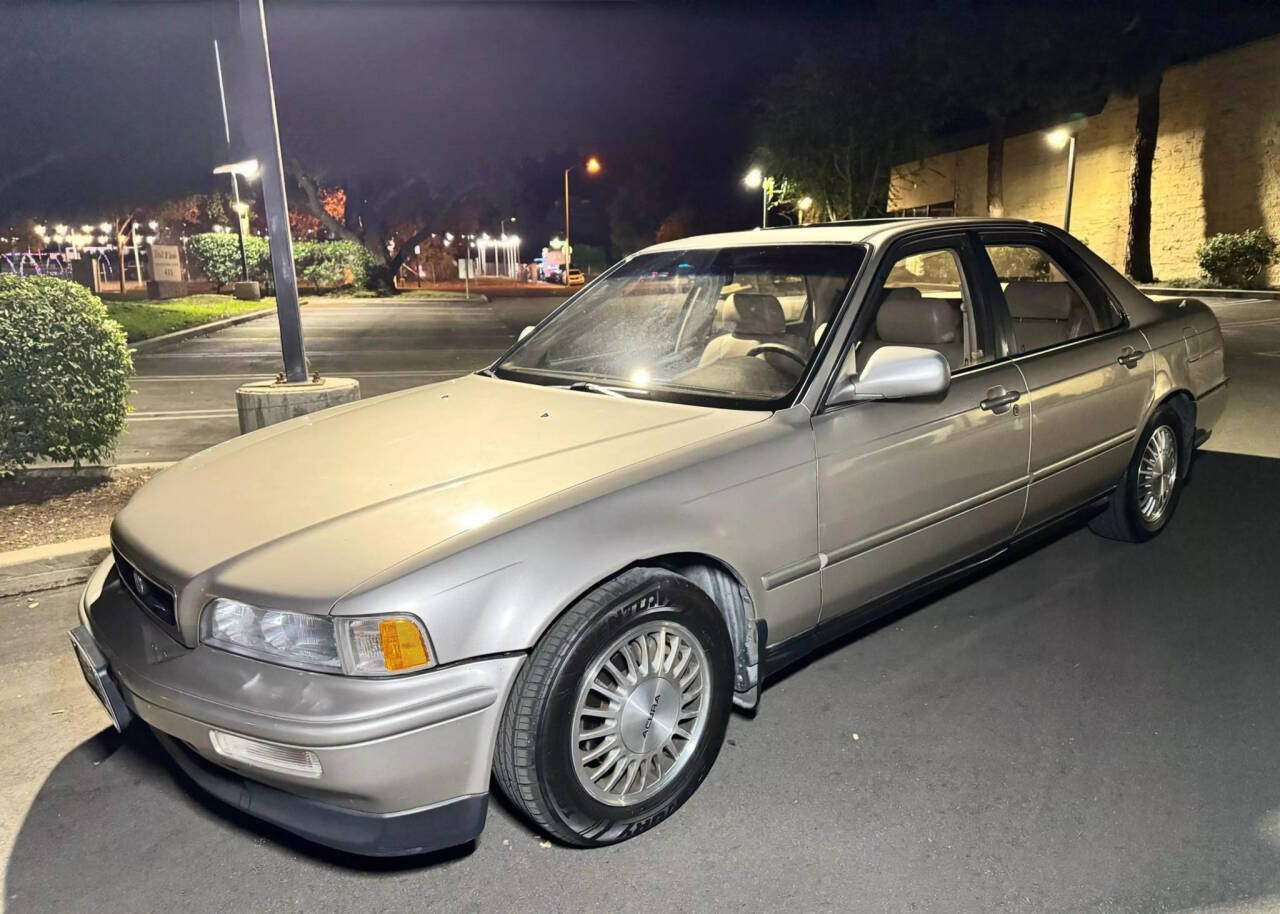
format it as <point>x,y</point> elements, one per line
<point>592,387</point>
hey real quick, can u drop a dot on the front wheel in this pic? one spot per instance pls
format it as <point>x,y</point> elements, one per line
<point>619,713</point>
<point>1148,493</point>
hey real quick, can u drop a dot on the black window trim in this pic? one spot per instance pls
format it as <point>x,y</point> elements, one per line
<point>1054,248</point>
<point>953,237</point>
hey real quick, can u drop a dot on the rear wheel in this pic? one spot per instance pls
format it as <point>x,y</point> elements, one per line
<point>1148,493</point>
<point>619,713</point>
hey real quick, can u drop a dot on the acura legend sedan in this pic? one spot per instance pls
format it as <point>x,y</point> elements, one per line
<point>561,573</point>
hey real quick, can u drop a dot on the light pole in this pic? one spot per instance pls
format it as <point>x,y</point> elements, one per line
<point>248,169</point>
<point>264,139</point>
<point>235,183</point>
<point>757,178</point>
<point>1058,139</point>
<point>593,167</point>
<point>803,205</point>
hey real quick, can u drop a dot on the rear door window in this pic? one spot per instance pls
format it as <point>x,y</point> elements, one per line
<point>1050,299</point>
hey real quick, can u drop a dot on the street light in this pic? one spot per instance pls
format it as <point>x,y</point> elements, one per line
<point>247,169</point>
<point>757,178</point>
<point>803,206</point>
<point>1058,138</point>
<point>592,167</point>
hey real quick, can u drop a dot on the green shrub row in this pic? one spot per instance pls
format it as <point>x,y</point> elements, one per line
<point>64,373</point>
<point>324,264</point>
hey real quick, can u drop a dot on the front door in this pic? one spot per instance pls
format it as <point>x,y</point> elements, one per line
<point>909,487</point>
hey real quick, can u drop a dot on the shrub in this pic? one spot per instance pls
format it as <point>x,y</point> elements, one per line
<point>332,264</point>
<point>217,256</point>
<point>64,373</point>
<point>324,264</point>
<point>1013,262</point>
<point>1236,259</point>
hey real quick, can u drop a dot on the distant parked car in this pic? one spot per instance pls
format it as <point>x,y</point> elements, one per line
<point>563,570</point>
<point>575,278</point>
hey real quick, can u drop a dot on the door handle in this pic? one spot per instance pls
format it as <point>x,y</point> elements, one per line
<point>1130,357</point>
<point>998,400</point>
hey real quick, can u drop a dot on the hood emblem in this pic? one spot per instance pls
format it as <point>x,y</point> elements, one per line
<point>140,583</point>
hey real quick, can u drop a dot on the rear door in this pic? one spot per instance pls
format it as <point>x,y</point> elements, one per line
<point>908,487</point>
<point>1087,372</point>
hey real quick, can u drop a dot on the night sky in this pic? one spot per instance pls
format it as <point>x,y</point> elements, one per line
<point>114,105</point>
<point>124,96</point>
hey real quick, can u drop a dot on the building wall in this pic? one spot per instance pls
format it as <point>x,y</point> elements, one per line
<point>1217,165</point>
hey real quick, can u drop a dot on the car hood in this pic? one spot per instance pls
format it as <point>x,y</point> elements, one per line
<point>305,510</point>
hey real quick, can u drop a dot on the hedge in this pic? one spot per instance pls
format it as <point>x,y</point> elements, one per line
<point>324,264</point>
<point>1236,259</point>
<point>64,373</point>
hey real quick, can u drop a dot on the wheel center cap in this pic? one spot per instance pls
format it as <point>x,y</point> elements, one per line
<point>650,715</point>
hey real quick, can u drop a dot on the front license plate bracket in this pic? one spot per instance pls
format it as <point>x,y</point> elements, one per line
<point>96,673</point>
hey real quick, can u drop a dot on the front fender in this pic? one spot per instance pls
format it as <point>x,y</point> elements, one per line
<point>750,504</point>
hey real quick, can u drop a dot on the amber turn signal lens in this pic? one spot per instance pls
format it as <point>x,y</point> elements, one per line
<point>402,644</point>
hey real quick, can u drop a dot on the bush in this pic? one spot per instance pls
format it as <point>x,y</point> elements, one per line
<point>217,256</point>
<point>64,373</point>
<point>324,264</point>
<point>1013,262</point>
<point>1236,259</point>
<point>332,264</point>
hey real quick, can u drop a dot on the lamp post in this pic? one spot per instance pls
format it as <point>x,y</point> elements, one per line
<point>757,178</point>
<point>247,169</point>
<point>803,205</point>
<point>235,183</point>
<point>1059,138</point>
<point>264,139</point>
<point>592,167</point>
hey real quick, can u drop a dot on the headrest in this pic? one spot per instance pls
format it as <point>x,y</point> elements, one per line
<point>910,320</point>
<point>758,314</point>
<point>1040,301</point>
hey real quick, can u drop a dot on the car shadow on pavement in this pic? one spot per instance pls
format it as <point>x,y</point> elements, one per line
<point>1223,466</point>
<point>115,794</point>
<point>1096,713</point>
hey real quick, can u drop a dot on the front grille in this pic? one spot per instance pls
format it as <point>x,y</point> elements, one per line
<point>152,596</point>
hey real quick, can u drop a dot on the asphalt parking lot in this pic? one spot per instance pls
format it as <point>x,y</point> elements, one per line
<point>185,397</point>
<point>1093,727</point>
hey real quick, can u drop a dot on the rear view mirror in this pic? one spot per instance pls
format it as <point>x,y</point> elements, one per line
<point>897,373</point>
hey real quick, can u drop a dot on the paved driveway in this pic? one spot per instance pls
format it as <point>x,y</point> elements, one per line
<point>185,398</point>
<point>1092,728</point>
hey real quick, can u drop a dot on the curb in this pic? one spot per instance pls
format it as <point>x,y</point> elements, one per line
<point>180,336</point>
<point>91,472</point>
<point>45,567</point>
<point>1210,293</point>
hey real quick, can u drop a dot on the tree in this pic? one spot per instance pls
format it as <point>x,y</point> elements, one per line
<point>1013,63</point>
<point>389,216</point>
<point>834,127</point>
<point>1143,48</point>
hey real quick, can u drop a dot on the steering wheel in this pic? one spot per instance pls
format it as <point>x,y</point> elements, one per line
<point>782,349</point>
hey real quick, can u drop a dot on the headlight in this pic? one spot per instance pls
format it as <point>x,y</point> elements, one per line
<point>356,646</point>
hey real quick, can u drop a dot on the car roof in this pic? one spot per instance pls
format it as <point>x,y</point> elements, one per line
<point>875,231</point>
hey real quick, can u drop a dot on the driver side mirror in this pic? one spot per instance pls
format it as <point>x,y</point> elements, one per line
<point>896,373</point>
<point>525,332</point>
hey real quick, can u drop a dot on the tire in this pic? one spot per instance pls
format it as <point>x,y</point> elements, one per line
<point>1127,517</point>
<point>540,751</point>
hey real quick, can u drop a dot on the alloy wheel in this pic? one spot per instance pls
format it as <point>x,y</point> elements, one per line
<point>640,713</point>
<point>1157,474</point>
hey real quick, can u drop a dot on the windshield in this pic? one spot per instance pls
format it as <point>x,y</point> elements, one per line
<point>737,323</point>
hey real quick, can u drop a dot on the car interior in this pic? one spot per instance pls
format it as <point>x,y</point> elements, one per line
<point>1047,313</point>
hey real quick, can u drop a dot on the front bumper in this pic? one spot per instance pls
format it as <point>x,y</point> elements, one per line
<point>405,761</point>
